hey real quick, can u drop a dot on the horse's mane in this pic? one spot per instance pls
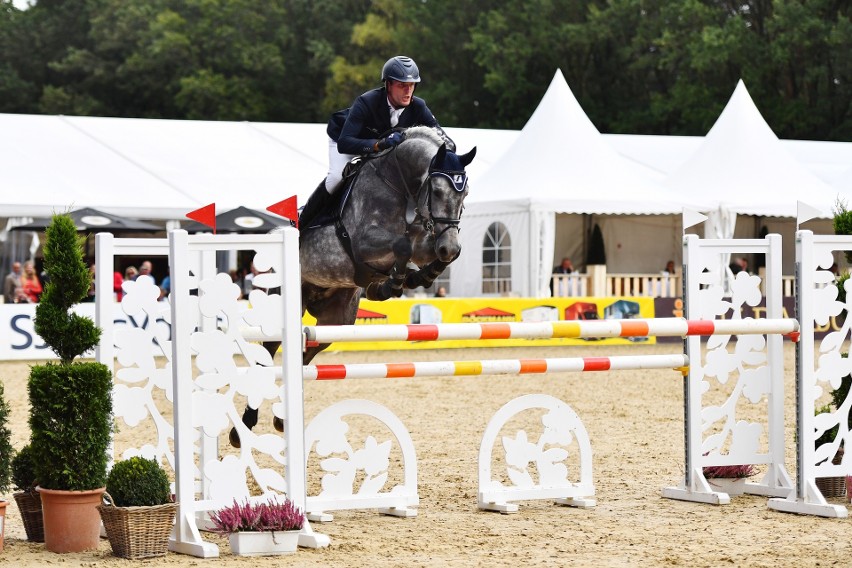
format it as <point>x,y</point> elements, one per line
<point>425,132</point>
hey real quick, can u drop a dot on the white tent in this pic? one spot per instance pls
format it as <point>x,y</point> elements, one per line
<point>742,167</point>
<point>561,164</point>
<point>548,184</point>
<point>47,165</point>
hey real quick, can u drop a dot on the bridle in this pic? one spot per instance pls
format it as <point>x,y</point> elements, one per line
<point>420,201</point>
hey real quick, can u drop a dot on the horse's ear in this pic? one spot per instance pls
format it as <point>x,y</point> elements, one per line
<point>441,155</point>
<point>468,158</point>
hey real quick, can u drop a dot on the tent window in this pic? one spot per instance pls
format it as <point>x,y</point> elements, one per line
<point>497,260</point>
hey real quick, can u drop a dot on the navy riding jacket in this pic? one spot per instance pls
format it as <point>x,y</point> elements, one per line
<point>358,128</point>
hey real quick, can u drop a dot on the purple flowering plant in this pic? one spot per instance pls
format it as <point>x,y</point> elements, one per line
<point>729,471</point>
<point>270,516</point>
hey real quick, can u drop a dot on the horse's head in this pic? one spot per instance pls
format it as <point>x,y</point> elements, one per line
<point>441,206</point>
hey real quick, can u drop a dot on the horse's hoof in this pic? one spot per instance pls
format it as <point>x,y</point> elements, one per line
<point>413,280</point>
<point>277,423</point>
<point>234,438</point>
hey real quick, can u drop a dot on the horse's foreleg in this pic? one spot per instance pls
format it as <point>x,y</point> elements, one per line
<point>249,417</point>
<point>393,286</point>
<point>426,275</point>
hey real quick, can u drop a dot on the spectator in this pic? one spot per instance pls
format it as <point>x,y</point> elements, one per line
<point>441,292</point>
<point>145,269</point>
<point>130,273</point>
<point>11,282</point>
<point>235,278</point>
<point>165,286</point>
<point>91,295</point>
<point>20,297</point>
<point>117,281</point>
<point>737,266</point>
<point>248,281</point>
<point>665,288</point>
<point>30,283</point>
<point>565,267</point>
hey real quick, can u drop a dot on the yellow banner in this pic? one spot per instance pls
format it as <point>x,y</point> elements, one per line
<point>480,310</point>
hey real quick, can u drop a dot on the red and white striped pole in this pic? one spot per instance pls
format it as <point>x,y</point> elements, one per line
<point>661,327</point>
<point>677,362</point>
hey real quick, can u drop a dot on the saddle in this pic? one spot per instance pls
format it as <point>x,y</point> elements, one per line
<point>337,201</point>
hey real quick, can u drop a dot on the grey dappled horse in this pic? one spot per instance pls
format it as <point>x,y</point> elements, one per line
<point>404,209</point>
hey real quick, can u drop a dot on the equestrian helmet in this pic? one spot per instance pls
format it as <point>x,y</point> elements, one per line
<point>402,69</point>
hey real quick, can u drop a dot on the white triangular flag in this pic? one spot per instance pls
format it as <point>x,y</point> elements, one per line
<point>805,212</point>
<point>691,218</point>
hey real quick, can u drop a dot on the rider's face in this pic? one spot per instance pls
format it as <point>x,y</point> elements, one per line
<point>400,94</point>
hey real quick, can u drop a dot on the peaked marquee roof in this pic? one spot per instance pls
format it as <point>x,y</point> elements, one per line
<point>561,162</point>
<point>743,168</point>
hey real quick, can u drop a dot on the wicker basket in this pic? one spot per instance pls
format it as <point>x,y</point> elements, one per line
<point>138,532</point>
<point>833,486</point>
<point>29,504</point>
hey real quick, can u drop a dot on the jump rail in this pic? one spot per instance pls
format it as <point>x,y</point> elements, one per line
<point>660,327</point>
<point>494,367</point>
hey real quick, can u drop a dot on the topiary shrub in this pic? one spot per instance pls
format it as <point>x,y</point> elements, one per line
<point>7,452</point>
<point>71,423</point>
<point>68,334</point>
<point>842,222</point>
<point>138,482</point>
<point>23,470</point>
<point>70,402</point>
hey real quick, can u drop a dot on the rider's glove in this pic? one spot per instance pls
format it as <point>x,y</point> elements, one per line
<point>389,142</point>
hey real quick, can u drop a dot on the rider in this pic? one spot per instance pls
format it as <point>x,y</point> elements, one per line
<point>360,130</point>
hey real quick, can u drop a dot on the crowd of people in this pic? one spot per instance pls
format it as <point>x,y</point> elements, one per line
<point>22,285</point>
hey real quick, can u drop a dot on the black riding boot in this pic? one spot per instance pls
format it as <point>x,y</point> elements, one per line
<point>316,204</point>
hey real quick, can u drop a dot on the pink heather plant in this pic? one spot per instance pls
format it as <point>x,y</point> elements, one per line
<point>729,471</point>
<point>269,516</point>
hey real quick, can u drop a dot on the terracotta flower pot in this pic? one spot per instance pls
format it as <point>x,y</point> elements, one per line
<point>2,522</point>
<point>72,522</point>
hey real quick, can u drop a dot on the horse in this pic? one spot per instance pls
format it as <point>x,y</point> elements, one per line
<point>396,228</point>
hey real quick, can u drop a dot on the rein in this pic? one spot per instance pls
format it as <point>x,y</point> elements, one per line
<point>422,199</point>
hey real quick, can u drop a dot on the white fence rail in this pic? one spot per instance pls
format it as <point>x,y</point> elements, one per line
<point>650,285</point>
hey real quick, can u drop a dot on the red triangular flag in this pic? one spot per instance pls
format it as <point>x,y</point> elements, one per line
<point>287,209</point>
<point>206,216</point>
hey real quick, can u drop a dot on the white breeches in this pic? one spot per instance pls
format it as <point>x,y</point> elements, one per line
<point>336,163</point>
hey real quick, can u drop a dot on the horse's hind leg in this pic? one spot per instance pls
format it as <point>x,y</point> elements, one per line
<point>335,307</point>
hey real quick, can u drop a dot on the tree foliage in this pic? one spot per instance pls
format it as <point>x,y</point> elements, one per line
<point>637,66</point>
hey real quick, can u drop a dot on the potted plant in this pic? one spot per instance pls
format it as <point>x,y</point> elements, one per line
<point>256,529</point>
<point>729,479</point>
<point>70,402</point>
<point>139,514</point>
<point>6,456</point>
<point>834,486</point>
<point>26,496</point>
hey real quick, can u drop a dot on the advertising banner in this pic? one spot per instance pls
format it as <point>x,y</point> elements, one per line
<point>481,310</point>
